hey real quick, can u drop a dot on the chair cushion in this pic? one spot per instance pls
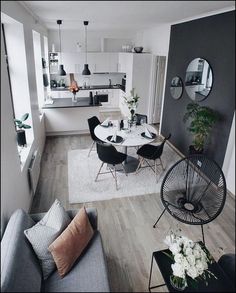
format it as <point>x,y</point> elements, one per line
<point>72,241</point>
<point>45,232</point>
<point>20,269</point>
<point>147,151</point>
<point>89,273</point>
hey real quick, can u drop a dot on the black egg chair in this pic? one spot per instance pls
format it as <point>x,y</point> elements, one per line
<point>194,191</point>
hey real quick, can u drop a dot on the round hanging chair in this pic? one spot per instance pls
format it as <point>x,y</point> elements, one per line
<point>193,190</point>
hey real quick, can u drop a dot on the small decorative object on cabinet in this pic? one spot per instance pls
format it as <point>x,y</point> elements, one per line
<point>20,133</point>
<point>202,120</point>
<point>138,49</point>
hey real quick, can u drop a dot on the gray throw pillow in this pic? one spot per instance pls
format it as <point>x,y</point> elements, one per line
<point>45,232</point>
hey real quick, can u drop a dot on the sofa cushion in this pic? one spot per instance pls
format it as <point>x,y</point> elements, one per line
<point>89,273</point>
<point>73,240</point>
<point>20,269</point>
<point>45,232</point>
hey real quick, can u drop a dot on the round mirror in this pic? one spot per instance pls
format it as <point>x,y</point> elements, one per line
<point>176,87</point>
<point>198,79</point>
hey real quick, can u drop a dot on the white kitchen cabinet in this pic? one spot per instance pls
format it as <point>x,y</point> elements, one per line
<point>61,94</point>
<point>68,120</point>
<point>138,69</point>
<point>73,62</point>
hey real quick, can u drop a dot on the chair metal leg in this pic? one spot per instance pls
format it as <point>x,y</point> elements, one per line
<point>115,178</point>
<point>203,239</point>
<point>154,226</point>
<point>91,147</point>
<point>99,171</point>
<point>155,163</point>
<point>139,165</point>
<point>124,169</point>
<point>161,164</point>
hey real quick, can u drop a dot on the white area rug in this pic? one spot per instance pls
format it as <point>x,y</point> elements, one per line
<point>82,171</point>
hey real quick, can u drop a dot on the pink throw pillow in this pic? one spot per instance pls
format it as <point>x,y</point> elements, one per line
<point>71,243</point>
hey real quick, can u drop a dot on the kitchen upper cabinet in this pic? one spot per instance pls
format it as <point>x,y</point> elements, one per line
<point>103,62</point>
<point>73,62</point>
<point>97,61</point>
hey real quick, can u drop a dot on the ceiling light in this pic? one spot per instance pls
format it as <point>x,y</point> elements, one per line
<point>61,70</point>
<point>86,70</point>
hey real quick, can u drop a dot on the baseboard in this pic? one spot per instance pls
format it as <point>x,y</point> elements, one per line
<point>56,133</point>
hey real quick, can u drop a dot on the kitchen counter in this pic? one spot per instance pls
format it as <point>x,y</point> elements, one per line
<point>67,103</point>
<point>92,87</point>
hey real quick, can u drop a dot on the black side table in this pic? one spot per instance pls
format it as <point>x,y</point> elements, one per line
<point>221,284</point>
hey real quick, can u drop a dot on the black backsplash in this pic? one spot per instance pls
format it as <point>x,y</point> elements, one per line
<point>211,38</point>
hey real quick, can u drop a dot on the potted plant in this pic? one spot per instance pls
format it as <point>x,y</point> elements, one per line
<point>202,120</point>
<point>20,132</point>
<point>132,103</point>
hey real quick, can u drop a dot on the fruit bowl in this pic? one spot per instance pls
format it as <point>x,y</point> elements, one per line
<point>138,49</point>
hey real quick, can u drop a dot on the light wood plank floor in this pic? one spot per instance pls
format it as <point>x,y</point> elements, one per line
<point>126,223</point>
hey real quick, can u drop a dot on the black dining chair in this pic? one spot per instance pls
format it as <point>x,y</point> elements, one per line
<point>108,154</point>
<point>151,152</point>
<point>93,122</point>
<point>140,117</point>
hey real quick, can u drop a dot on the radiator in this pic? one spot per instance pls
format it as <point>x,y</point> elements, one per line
<point>34,170</point>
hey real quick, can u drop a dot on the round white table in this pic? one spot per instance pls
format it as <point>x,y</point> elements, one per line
<point>130,139</point>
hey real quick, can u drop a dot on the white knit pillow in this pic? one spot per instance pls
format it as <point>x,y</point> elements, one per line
<point>45,232</point>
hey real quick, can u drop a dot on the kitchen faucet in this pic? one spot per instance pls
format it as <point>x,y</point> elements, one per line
<point>109,82</point>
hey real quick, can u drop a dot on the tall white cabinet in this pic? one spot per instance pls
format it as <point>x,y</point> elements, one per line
<point>138,69</point>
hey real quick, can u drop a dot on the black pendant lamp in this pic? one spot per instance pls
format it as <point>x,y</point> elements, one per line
<point>61,70</point>
<point>86,70</point>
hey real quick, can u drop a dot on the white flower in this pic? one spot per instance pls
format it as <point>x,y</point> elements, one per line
<point>179,258</point>
<point>178,270</point>
<point>191,259</point>
<point>168,240</point>
<point>174,248</point>
<point>192,272</point>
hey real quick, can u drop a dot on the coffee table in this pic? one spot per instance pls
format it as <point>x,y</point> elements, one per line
<point>132,138</point>
<point>221,284</point>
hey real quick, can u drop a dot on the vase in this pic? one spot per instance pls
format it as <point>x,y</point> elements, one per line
<point>20,136</point>
<point>74,99</point>
<point>178,283</point>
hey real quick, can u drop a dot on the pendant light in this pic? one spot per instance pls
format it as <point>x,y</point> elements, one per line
<point>61,70</point>
<point>86,70</point>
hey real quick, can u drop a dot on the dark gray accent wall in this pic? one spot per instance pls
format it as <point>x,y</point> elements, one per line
<point>211,38</point>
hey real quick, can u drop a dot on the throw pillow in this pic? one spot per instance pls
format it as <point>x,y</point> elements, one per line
<point>45,232</point>
<point>71,243</point>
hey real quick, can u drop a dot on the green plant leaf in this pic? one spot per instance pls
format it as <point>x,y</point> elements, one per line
<point>17,121</point>
<point>26,126</point>
<point>25,116</point>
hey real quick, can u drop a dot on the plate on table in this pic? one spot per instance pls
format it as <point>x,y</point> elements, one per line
<point>119,139</point>
<point>106,126</point>
<point>153,135</point>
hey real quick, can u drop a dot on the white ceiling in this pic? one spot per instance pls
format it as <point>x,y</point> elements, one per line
<point>110,15</point>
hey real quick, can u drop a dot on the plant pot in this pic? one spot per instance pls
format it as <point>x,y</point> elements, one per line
<point>20,136</point>
<point>193,151</point>
<point>178,284</point>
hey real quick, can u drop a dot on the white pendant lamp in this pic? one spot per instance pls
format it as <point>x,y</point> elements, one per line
<point>86,70</point>
<point>61,70</point>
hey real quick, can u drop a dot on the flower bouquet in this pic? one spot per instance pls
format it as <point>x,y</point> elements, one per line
<point>132,103</point>
<point>190,261</point>
<point>74,89</point>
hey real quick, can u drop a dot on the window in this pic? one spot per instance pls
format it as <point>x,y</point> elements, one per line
<point>14,42</point>
<point>38,68</point>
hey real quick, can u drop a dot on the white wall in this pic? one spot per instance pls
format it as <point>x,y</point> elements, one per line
<point>229,161</point>
<point>155,40</point>
<point>15,192</point>
<point>95,40</point>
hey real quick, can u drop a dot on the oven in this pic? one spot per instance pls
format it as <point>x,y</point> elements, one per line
<point>104,96</point>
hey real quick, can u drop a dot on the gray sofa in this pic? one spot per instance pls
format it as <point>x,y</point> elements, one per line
<point>20,269</point>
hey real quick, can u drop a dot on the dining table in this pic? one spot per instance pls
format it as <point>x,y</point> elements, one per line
<point>126,138</point>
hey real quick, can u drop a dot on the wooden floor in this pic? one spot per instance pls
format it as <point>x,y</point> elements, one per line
<point>126,223</point>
